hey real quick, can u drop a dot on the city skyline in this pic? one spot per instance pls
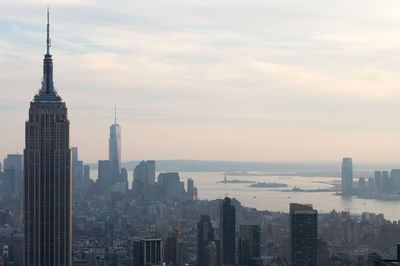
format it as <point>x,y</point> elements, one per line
<point>191,82</point>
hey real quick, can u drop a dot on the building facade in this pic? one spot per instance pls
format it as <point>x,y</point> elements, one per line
<point>114,150</point>
<point>228,230</point>
<point>47,186</point>
<point>249,243</point>
<point>347,177</point>
<point>205,235</point>
<point>303,235</point>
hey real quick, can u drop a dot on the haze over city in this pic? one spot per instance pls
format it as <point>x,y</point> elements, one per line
<point>211,80</point>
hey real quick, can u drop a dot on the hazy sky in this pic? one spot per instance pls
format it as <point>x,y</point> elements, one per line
<point>228,80</point>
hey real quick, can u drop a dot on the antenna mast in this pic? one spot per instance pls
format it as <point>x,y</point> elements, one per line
<point>48,32</point>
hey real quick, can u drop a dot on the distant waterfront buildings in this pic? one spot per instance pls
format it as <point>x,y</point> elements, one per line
<point>47,176</point>
<point>228,230</point>
<point>303,235</point>
<point>347,177</point>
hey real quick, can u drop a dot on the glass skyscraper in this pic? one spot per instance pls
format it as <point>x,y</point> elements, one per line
<point>114,150</point>
<point>228,230</point>
<point>347,177</point>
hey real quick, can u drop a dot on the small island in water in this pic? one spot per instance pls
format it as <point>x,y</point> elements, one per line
<point>235,181</point>
<point>268,185</point>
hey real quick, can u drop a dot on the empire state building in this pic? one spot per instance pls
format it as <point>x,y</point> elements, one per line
<point>47,187</point>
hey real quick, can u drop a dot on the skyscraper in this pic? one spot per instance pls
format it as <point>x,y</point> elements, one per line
<point>303,235</point>
<point>14,161</point>
<point>147,251</point>
<point>249,243</point>
<point>347,177</point>
<point>205,235</point>
<point>228,226</point>
<point>144,173</point>
<point>114,151</point>
<point>378,180</point>
<point>47,165</point>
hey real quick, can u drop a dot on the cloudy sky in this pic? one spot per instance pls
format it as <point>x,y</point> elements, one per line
<point>272,80</point>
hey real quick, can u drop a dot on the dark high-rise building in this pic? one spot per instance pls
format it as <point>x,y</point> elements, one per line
<point>303,235</point>
<point>205,235</point>
<point>147,251</point>
<point>210,254</point>
<point>228,226</point>
<point>347,177</point>
<point>47,168</point>
<point>115,150</point>
<point>171,248</point>
<point>249,243</point>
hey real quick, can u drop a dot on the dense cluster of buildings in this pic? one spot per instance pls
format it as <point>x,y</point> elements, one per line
<point>383,185</point>
<point>53,213</point>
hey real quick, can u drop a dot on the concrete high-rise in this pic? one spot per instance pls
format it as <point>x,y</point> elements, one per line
<point>114,150</point>
<point>14,161</point>
<point>303,235</point>
<point>228,231</point>
<point>347,177</point>
<point>144,173</point>
<point>205,235</point>
<point>47,174</point>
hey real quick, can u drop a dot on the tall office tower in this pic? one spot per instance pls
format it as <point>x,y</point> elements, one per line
<point>114,150</point>
<point>303,235</point>
<point>347,177</point>
<point>86,172</point>
<point>147,251</point>
<point>387,182</point>
<point>14,162</point>
<point>170,183</point>
<point>205,235</point>
<point>144,173</point>
<point>104,174</point>
<point>378,180</point>
<point>249,243</point>
<point>77,169</point>
<point>181,247</point>
<point>47,165</point>
<point>210,254</point>
<point>395,176</point>
<point>171,248</point>
<point>228,226</point>
<point>109,230</point>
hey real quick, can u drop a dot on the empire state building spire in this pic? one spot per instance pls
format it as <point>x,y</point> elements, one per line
<point>48,32</point>
<point>47,92</point>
